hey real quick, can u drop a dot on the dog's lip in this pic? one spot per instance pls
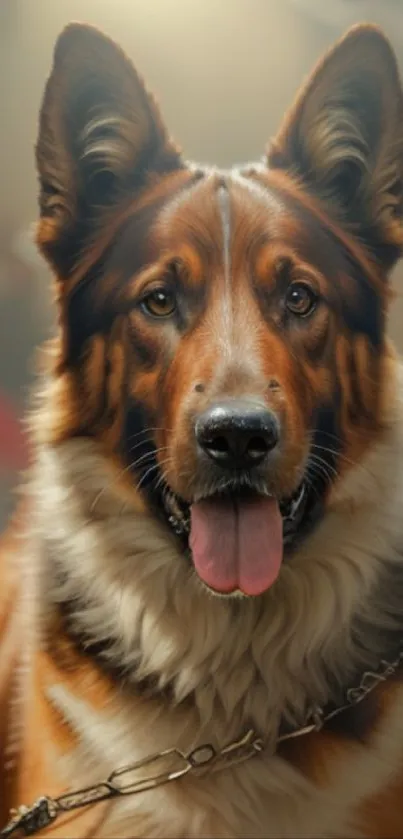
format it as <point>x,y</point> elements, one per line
<point>178,510</point>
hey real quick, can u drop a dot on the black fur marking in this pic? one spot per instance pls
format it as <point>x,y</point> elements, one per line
<point>138,448</point>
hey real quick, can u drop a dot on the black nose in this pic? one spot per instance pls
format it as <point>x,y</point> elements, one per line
<point>237,434</point>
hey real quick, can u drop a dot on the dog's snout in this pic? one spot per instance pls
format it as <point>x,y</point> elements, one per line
<point>237,434</point>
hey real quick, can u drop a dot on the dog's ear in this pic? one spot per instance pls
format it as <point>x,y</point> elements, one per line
<point>343,139</point>
<point>100,138</point>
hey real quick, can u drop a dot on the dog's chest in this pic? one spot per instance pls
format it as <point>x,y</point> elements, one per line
<point>315,792</point>
<point>266,800</point>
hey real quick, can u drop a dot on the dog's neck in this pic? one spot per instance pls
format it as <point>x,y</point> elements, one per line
<point>134,598</point>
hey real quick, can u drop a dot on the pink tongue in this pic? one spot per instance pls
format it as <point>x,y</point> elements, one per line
<point>237,545</point>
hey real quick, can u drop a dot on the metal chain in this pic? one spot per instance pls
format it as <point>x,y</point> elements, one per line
<point>123,781</point>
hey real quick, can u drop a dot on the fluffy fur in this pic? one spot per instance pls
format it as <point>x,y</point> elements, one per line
<point>230,663</point>
<point>112,648</point>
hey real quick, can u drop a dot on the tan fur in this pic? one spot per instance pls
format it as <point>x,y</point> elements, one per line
<point>93,565</point>
<point>240,672</point>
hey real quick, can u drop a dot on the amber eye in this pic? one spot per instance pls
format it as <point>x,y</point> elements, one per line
<point>301,299</point>
<point>160,303</point>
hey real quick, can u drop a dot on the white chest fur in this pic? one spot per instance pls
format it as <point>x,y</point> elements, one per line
<point>244,663</point>
<point>265,797</point>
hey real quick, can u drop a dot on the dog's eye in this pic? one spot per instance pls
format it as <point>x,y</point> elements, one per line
<point>160,303</point>
<point>301,299</point>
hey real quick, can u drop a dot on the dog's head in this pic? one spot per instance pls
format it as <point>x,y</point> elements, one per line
<point>223,333</point>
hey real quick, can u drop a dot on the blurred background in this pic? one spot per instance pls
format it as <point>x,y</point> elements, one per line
<point>224,71</point>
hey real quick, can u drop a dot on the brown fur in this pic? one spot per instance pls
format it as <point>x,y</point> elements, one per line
<point>111,647</point>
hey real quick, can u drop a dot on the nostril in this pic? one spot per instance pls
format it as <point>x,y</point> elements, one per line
<point>219,445</point>
<point>237,434</point>
<point>257,447</point>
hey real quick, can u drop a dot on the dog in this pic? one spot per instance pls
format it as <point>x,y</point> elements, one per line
<point>201,605</point>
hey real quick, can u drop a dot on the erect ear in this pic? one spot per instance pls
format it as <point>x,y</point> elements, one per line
<point>343,138</point>
<point>100,139</point>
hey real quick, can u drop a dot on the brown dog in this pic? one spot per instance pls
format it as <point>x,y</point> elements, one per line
<point>209,554</point>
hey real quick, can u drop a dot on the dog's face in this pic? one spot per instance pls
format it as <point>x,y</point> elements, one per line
<point>222,334</point>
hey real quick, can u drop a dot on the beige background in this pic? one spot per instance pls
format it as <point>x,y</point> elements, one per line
<point>224,72</point>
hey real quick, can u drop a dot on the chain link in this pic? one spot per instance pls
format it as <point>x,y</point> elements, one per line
<point>165,766</point>
<point>172,764</point>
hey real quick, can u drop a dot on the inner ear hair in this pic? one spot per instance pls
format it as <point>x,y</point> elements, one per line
<point>101,137</point>
<point>343,139</point>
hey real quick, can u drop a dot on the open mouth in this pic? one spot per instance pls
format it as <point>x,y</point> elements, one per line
<point>237,538</point>
<point>178,511</point>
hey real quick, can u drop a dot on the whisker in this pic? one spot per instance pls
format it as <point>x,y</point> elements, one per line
<point>151,453</point>
<point>162,478</point>
<point>130,467</point>
<point>316,475</point>
<point>144,477</point>
<point>327,468</point>
<point>105,488</point>
<point>320,470</point>
<point>144,442</point>
<point>154,466</point>
<point>322,433</point>
<point>145,431</point>
<point>311,485</point>
<point>343,457</point>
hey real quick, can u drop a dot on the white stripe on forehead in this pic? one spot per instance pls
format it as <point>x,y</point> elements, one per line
<point>225,212</point>
<point>226,332</point>
<point>238,357</point>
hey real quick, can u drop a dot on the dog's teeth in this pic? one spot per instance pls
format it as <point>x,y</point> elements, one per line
<point>179,527</point>
<point>291,507</point>
<point>178,513</point>
<point>171,503</point>
<point>176,525</point>
<point>296,503</point>
<point>178,518</point>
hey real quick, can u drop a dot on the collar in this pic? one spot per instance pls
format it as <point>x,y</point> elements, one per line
<point>171,764</point>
